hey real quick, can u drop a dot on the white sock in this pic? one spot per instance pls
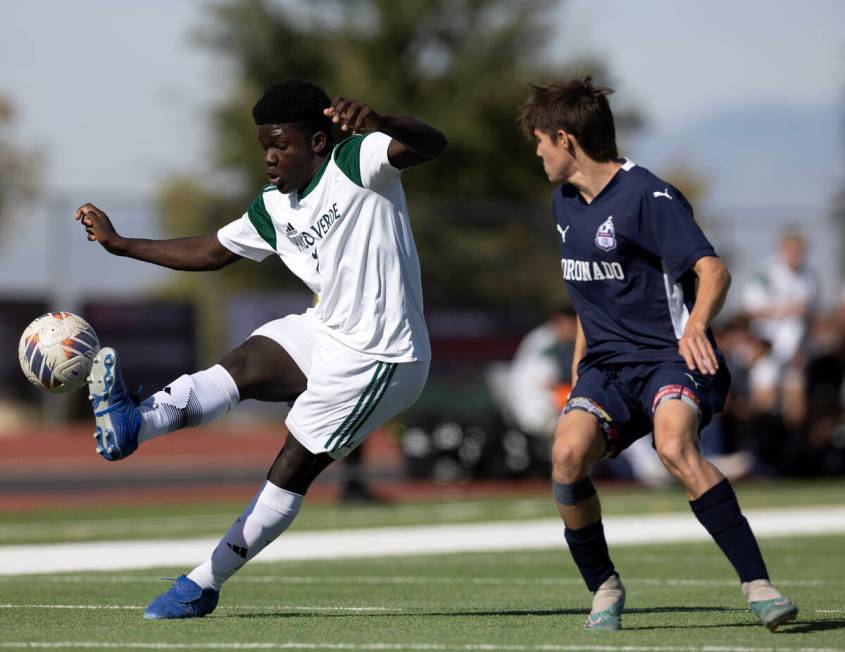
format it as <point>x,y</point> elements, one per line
<point>268,515</point>
<point>757,590</point>
<point>607,594</point>
<point>188,401</point>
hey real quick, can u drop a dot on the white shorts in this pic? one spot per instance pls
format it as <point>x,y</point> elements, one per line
<point>349,394</point>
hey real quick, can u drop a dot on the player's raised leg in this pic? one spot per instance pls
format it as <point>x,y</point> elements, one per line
<point>714,504</point>
<point>579,443</point>
<point>258,369</point>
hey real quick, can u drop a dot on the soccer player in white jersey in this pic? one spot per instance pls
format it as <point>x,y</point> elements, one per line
<point>335,213</point>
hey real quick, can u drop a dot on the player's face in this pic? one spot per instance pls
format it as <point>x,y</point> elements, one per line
<point>290,156</point>
<point>792,252</point>
<point>558,163</point>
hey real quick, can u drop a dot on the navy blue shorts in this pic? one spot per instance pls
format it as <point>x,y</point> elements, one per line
<point>623,397</point>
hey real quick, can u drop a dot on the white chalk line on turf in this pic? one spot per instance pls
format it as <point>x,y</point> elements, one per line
<point>407,647</point>
<point>378,580</point>
<point>283,607</point>
<point>403,541</point>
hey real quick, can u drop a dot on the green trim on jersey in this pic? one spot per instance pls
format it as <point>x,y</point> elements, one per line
<point>314,181</point>
<point>347,155</point>
<point>260,219</point>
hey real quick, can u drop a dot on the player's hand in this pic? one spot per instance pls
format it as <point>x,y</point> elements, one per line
<point>353,115</point>
<point>696,349</point>
<point>98,227</point>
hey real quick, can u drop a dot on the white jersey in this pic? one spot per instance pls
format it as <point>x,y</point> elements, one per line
<point>535,371</point>
<point>777,287</point>
<point>348,237</point>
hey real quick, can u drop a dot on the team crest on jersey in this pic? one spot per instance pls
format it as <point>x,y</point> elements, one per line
<point>606,235</point>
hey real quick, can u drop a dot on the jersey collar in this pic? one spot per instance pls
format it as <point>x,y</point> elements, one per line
<point>316,178</point>
<point>627,166</point>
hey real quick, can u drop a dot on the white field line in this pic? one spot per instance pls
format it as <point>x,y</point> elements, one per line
<point>406,647</point>
<point>402,541</point>
<point>264,607</point>
<point>430,580</point>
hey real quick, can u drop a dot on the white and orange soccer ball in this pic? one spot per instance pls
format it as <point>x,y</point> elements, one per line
<point>57,350</point>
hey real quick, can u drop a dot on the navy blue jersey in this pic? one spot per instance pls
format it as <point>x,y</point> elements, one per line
<point>626,259</point>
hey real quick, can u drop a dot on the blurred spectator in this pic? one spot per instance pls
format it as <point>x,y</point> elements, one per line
<point>763,376</point>
<point>782,297</point>
<point>781,300</point>
<point>742,353</point>
<point>824,440</point>
<point>540,374</point>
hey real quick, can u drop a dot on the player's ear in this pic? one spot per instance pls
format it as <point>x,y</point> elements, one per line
<point>319,142</point>
<point>563,138</point>
<point>571,143</point>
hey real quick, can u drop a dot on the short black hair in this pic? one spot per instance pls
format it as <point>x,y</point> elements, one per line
<point>293,101</point>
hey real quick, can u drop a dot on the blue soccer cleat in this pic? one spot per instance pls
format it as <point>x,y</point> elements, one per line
<point>115,410</point>
<point>774,613</point>
<point>184,599</point>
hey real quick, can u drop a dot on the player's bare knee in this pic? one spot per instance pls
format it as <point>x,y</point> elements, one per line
<point>263,370</point>
<point>677,451</point>
<point>570,461</point>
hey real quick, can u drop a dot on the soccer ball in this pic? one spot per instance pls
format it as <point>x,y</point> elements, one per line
<point>57,350</point>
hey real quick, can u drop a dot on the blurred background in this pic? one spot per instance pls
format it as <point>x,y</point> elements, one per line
<point>143,109</point>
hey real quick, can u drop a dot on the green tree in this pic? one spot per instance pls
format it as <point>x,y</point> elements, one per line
<point>480,212</point>
<point>17,167</point>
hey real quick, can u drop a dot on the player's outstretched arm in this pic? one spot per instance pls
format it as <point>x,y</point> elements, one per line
<point>713,283</point>
<point>199,253</point>
<point>414,141</point>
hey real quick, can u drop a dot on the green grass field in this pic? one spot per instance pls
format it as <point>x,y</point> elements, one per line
<point>680,597</point>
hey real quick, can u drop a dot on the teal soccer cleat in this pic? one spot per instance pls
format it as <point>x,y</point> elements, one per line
<point>607,619</point>
<point>184,599</point>
<point>115,410</point>
<point>774,613</point>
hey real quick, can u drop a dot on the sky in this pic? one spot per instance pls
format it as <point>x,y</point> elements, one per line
<point>113,96</point>
<point>682,60</point>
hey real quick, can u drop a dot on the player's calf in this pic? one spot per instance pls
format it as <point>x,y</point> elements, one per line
<point>584,533</point>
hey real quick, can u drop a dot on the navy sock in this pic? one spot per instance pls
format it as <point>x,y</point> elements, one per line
<point>589,550</point>
<point>718,511</point>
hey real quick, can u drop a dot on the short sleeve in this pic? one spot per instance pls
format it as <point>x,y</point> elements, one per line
<point>363,159</point>
<point>241,237</point>
<point>376,169</point>
<point>253,236</point>
<point>669,230</point>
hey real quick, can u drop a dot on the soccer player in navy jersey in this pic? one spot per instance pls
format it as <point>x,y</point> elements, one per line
<point>645,284</point>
